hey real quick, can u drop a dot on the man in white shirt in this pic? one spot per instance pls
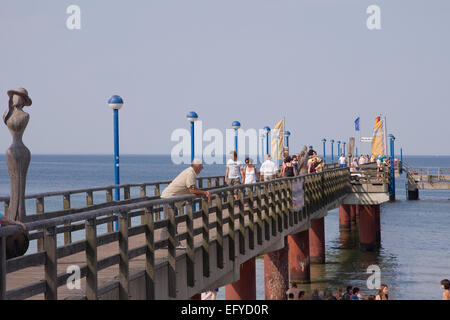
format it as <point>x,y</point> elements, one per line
<point>233,175</point>
<point>268,169</point>
<point>342,161</point>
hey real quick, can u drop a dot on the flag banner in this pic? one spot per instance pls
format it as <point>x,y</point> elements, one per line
<point>378,139</point>
<point>357,124</point>
<point>298,195</point>
<point>277,141</point>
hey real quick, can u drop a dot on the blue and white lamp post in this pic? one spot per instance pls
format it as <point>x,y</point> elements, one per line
<point>263,136</point>
<point>339,149</point>
<point>267,130</point>
<point>192,117</point>
<point>392,185</point>
<point>287,134</point>
<point>236,126</point>
<point>324,142</point>
<point>115,103</point>
<point>343,148</point>
<point>332,150</point>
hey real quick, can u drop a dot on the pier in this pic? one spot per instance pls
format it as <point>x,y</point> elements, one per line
<point>426,179</point>
<point>222,237</point>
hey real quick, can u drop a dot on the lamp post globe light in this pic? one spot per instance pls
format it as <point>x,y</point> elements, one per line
<point>392,185</point>
<point>236,126</point>
<point>267,130</point>
<point>192,117</point>
<point>116,103</point>
<point>324,141</point>
<point>287,134</point>
<point>332,150</point>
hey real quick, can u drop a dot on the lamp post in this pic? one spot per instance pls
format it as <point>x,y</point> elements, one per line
<point>287,134</point>
<point>277,136</point>
<point>392,184</point>
<point>332,150</point>
<point>263,135</point>
<point>324,141</point>
<point>115,103</point>
<point>344,143</point>
<point>236,125</point>
<point>192,117</point>
<point>339,149</point>
<point>267,130</point>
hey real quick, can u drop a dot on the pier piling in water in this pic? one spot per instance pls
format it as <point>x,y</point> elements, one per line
<point>299,258</point>
<point>317,241</point>
<point>368,228</point>
<point>276,273</point>
<point>245,287</point>
<point>345,216</point>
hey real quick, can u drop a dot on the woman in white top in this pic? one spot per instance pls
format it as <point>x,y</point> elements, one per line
<point>250,174</point>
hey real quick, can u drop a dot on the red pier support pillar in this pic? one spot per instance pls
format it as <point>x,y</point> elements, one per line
<point>353,214</point>
<point>299,261</point>
<point>317,241</point>
<point>245,287</point>
<point>368,228</point>
<point>378,224</point>
<point>345,216</point>
<point>276,273</point>
<point>357,213</point>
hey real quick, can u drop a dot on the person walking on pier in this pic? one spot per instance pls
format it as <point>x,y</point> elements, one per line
<point>268,169</point>
<point>233,174</point>
<point>445,285</point>
<point>288,169</point>
<point>342,161</point>
<point>249,173</point>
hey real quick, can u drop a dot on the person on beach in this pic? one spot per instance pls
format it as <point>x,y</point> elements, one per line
<point>342,161</point>
<point>290,296</point>
<point>293,289</point>
<point>371,297</point>
<point>210,294</point>
<point>184,184</point>
<point>249,173</point>
<point>445,285</point>
<point>233,174</point>
<point>382,293</point>
<point>288,169</point>
<point>315,295</point>
<point>268,169</point>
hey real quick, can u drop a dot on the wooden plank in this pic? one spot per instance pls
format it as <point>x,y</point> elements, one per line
<point>241,222</point>
<point>66,206</point>
<point>150,254</point>
<point>51,267</point>
<point>219,232</point>
<point>40,210</point>
<point>124,271</point>
<point>251,218</point>
<point>266,212</point>
<point>190,256</point>
<point>91,260</point>
<point>231,233</point>
<point>205,237</point>
<point>143,194</point>
<point>171,250</point>
<point>109,199</point>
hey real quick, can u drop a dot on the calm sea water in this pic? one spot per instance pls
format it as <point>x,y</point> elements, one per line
<point>413,259</point>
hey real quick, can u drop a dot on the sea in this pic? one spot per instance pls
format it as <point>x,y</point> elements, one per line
<point>414,255</point>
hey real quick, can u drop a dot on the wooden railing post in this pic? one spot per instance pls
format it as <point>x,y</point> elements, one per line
<point>266,212</point>
<point>205,238</point>
<point>171,250</point>
<point>40,210</point>
<point>127,196</point>
<point>51,264</point>
<point>231,233</point>
<point>149,254</point>
<point>219,228</point>
<point>91,260</point>
<point>241,222</point>
<point>157,193</point>
<point>273,217</point>
<point>3,270</point>
<point>190,254</point>
<point>66,206</point>
<point>143,194</point>
<point>89,198</point>
<point>259,223</point>
<point>251,218</point>
<point>124,269</point>
<point>109,199</point>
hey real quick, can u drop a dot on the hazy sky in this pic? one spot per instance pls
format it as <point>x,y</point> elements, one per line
<point>314,62</point>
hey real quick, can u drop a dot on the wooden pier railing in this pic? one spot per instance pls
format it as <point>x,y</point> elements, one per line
<point>262,210</point>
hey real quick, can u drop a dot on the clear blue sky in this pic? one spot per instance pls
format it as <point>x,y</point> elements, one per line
<point>314,62</point>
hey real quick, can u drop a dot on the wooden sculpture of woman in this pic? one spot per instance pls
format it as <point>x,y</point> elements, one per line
<point>17,156</point>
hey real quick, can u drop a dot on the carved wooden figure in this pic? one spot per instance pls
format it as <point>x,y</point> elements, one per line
<point>17,156</point>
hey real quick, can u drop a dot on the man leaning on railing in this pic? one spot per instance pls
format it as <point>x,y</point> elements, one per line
<point>184,184</point>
